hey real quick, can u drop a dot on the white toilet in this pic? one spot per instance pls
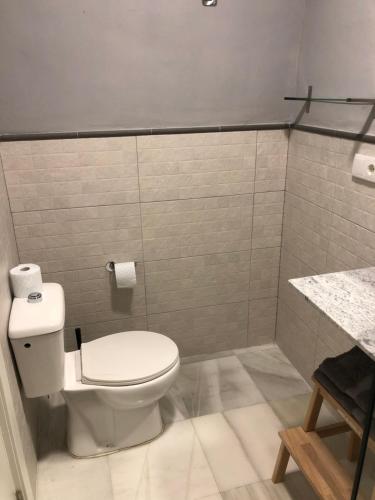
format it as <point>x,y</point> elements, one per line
<point>112,386</point>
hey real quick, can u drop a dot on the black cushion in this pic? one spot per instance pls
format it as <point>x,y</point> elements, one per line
<point>348,378</point>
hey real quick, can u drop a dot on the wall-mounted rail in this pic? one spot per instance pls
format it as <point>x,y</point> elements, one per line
<point>346,100</point>
<point>331,100</point>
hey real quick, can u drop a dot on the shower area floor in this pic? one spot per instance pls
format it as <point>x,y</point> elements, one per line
<point>220,443</point>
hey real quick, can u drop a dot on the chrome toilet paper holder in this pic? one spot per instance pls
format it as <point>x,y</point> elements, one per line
<point>110,266</point>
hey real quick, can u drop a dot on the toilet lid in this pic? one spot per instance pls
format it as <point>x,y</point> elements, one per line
<point>127,358</point>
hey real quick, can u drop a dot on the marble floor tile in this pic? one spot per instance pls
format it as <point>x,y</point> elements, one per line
<point>257,428</point>
<point>295,487</point>
<point>291,411</point>
<point>127,469</point>
<point>204,357</point>
<point>210,386</point>
<point>255,348</point>
<point>169,468</point>
<point>273,374</point>
<point>217,496</point>
<point>61,477</point>
<point>225,454</point>
<point>172,406</point>
<point>230,446</point>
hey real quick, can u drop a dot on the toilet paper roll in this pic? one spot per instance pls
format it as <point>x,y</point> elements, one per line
<point>25,279</point>
<point>125,275</point>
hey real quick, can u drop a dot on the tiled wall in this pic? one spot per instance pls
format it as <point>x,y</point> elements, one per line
<point>329,225</point>
<point>200,213</point>
<point>21,412</point>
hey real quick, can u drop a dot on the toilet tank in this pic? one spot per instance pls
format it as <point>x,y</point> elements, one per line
<point>36,332</point>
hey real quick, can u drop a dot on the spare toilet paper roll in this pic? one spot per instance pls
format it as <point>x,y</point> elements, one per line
<point>25,279</point>
<point>125,275</point>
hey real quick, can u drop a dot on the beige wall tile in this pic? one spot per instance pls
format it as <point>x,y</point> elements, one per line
<point>307,231</point>
<point>296,340</point>
<point>196,165</point>
<point>264,272</point>
<point>310,181</point>
<point>196,178</point>
<point>350,246</point>
<point>92,296</point>
<point>79,238</point>
<point>273,136</point>
<point>267,220</point>
<point>73,175</point>
<point>15,147</point>
<point>271,167</point>
<point>73,244</point>
<point>204,329</point>
<point>67,145</point>
<point>195,227</point>
<point>269,203</point>
<point>354,200</point>
<point>262,321</point>
<point>206,152</point>
<point>291,267</point>
<point>327,222</point>
<point>94,331</point>
<point>191,140</point>
<point>197,281</point>
<point>267,230</point>
<point>272,149</point>
<point>335,340</point>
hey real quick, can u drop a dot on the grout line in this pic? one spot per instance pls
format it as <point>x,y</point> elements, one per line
<point>82,207</point>
<point>251,240</point>
<point>10,209</point>
<point>142,236</point>
<point>208,462</point>
<point>281,242</point>
<point>312,330</point>
<point>161,312</point>
<point>199,307</point>
<point>330,211</point>
<point>158,260</point>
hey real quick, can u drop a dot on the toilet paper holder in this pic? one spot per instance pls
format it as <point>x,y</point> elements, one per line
<point>110,266</point>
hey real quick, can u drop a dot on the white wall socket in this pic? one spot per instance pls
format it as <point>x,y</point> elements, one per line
<point>364,167</point>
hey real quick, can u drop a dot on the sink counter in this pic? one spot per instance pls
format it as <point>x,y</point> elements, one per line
<point>348,299</point>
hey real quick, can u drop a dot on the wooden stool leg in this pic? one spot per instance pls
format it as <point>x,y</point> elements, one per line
<point>281,464</point>
<point>313,410</point>
<point>354,446</point>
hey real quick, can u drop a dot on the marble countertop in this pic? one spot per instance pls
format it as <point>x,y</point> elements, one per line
<point>348,299</point>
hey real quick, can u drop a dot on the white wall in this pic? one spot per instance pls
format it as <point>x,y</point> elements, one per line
<point>338,59</point>
<point>92,64</point>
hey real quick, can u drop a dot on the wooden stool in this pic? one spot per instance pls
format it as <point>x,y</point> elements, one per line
<point>325,474</point>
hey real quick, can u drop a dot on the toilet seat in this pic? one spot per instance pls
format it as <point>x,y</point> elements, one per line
<point>127,358</point>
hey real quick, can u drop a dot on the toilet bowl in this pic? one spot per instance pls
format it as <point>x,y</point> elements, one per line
<point>110,417</point>
<point>112,385</point>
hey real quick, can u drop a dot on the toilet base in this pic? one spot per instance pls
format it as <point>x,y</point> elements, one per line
<point>108,430</point>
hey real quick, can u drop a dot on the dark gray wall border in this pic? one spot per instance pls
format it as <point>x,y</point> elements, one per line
<point>187,130</point>
<point>335,133</point>
<point>137,132</point>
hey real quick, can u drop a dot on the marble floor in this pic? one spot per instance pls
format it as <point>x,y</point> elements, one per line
<point>223,416</point>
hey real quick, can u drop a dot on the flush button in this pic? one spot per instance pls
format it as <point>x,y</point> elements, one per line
<point>364,167</point>
<point>34,297</point>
